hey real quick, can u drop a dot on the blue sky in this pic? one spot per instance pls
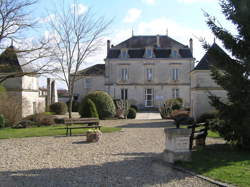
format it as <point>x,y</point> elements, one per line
<point>184,19</point>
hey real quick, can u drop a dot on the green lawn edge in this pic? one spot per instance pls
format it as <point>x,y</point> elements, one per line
<point>56,130</point>
<point>221,162</point>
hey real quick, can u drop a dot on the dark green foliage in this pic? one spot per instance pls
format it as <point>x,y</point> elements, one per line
<point>2,121</point>
<point>75,105</point>
<point>131,113</point>
<point>59,108</point>
<point>181,117</point>
<point>134,107</point>
<point>88,109</point>
<point>103,102</point>
<point>232,74</point>
<point>206,117</point>
<point>174,104</point>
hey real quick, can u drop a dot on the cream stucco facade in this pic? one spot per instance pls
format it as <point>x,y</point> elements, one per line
<point>202,85</point>
<point>137,82</point>
<point>148,70</point>
<point>26,90</point>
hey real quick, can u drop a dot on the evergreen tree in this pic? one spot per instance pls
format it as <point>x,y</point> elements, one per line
<point>233,74</point>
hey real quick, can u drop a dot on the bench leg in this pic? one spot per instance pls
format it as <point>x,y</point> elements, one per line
<point>67,132</point>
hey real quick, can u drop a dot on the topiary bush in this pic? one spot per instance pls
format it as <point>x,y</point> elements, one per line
<point>88,109</point>
<point>131,113</point>
<point>134,107</point>
<point>103,102</point>
<point>2,121</point>
<point>59,108</point>
<point>181,117</point>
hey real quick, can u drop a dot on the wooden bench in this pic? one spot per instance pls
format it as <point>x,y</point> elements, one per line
<point>199,133</point>
<point>92,123</point>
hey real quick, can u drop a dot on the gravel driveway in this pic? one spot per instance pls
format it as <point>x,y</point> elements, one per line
<point>119,159</point>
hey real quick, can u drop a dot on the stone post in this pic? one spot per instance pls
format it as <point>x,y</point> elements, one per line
<point>48,98</point>
<point>177,145</point>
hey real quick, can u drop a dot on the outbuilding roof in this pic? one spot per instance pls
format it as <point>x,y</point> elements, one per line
<point>98,69</point>
<point>209,58</point>
<point>9,61</point>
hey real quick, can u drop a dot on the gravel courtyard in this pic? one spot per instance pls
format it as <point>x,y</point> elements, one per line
<point>120,159</point>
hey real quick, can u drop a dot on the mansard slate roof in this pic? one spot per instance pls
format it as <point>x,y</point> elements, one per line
<point>136,47</point>
<point>98,69</point>
<point>146,41</point>
<point>209,58</point>
<point>9,61</point>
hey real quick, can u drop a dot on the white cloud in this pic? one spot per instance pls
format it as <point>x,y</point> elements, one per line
<point>132,15</point>
<point>149,2</point>
<point>195,1</point>
<point>79,8</point>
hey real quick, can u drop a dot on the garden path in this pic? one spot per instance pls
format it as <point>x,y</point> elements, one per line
<point>119,159</point>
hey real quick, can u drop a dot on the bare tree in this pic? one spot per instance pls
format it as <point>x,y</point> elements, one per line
<point>15,19</point>
<point>76,36</point>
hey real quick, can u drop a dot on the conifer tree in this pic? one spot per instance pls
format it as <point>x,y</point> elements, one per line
<point>233,74</point>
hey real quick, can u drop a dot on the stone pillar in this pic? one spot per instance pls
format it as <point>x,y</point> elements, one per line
<point>177,145</point>
<point>48,98</point>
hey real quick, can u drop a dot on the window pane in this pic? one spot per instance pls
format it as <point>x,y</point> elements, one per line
<point>149,91</point>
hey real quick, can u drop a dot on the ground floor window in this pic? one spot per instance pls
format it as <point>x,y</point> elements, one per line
<point>124,94</point>
<point>149,97</point>
<point>175,93</point>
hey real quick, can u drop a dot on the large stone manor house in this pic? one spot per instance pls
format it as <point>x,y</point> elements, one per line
<point>148,70</point>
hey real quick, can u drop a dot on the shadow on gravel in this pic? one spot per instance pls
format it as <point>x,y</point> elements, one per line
<point>82,142</point>
<point>155,124</point>
<point>132,171</point>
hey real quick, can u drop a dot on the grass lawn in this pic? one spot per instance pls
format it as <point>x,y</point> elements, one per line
<point>223,163</point>
<point>212,134</point>
<point>45,131</point>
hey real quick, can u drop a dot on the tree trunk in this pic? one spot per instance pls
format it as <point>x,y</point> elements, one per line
<point>70,105</point>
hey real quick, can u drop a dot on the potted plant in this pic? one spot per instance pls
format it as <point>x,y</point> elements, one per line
<point>93,135</point>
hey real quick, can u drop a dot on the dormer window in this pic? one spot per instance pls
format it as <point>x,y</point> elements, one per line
<point>174,53</point>
<point>123,53</point>
<point>148,53</point>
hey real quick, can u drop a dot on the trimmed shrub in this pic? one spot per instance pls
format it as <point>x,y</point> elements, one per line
<point>59,108</point>
<point>131,113</point>
<point>134,107</point>
<point>2,121</point>
<point>103,102</point>
<point>205,117</point>
<point>181,117</point>
<point>88,109</point>
<point>75,105</point>
<point>174,104</point>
